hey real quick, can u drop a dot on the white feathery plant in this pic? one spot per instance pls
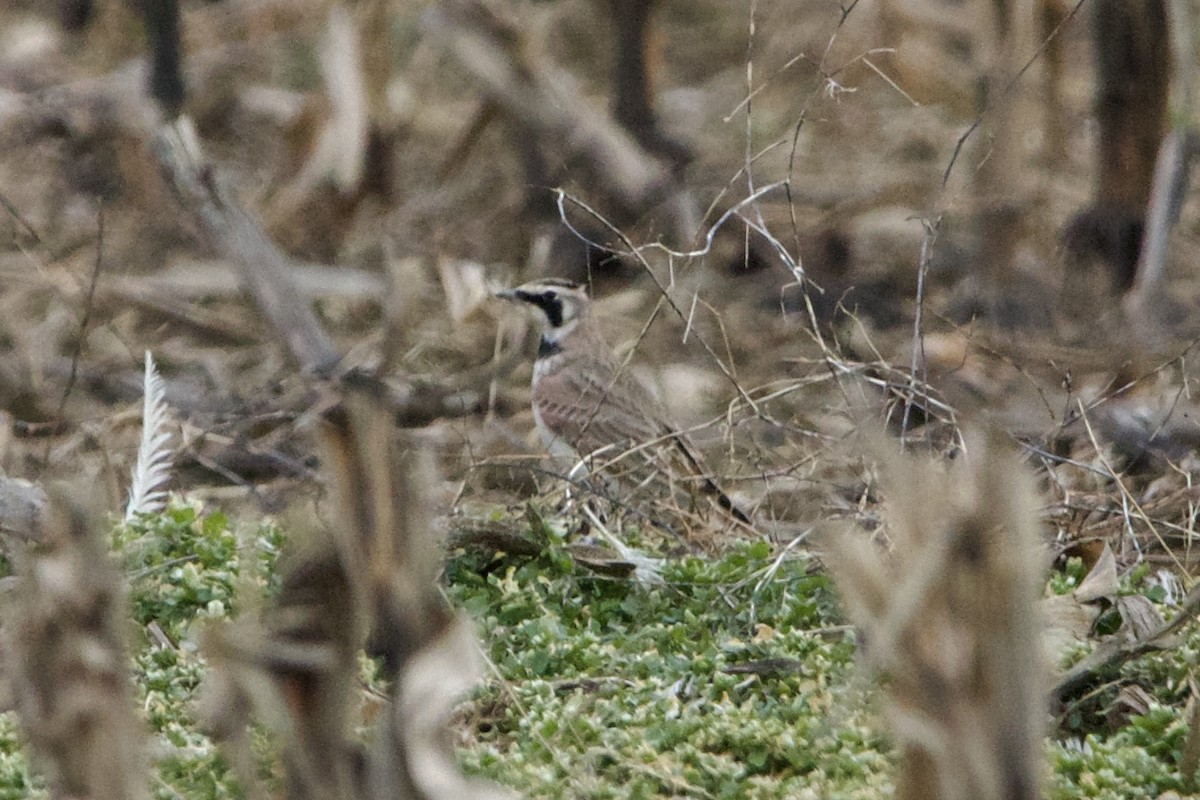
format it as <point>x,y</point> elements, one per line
<point>153,467</point>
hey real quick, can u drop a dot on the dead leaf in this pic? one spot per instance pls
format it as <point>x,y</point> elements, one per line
<point>1140,617</point>
<point>1101,581</point>
<point>1065,613</point>
<point>1132,701</point>
<point>435,679</point>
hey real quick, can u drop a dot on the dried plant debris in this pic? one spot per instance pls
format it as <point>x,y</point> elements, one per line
<point>848,232</point>
<point>65,656</point>
<point>369,585</point>
<point>1143,630</point>
<point>948,618</point>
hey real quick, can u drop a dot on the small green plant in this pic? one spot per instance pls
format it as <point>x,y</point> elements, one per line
<point>726,676</point>
<point>1139,760</point>
<point>186,567</point>
<point>183,567</point>
<point>733,677</point>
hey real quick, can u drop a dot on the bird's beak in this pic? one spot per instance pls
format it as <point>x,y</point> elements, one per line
<point>506,294</point>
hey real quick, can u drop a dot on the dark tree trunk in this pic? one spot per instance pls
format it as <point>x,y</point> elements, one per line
<point>633,85</point>
<point>1132,77</point>
<point>1132,84</point>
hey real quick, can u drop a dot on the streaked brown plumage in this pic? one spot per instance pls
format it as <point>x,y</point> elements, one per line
<point>587,408</point>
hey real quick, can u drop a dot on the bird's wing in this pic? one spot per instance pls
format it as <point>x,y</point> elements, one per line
<point>603,409</point>
<point>598,408</point>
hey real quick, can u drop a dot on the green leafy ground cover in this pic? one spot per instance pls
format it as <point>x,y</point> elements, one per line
<point>729,678</point>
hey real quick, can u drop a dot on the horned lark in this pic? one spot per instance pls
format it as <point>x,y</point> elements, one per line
<point>590,411</point>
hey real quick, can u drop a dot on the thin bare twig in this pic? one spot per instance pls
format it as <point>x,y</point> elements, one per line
<point>86,315</point>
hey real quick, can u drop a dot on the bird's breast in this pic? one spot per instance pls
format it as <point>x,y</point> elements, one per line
<point>547,365</point>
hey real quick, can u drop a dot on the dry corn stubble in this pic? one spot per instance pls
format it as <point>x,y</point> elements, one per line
<point>948,619</point>
<point>368,585</point>
<point>66,658</point>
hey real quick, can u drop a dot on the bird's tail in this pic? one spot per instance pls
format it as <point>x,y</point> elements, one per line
<point>709,487</point>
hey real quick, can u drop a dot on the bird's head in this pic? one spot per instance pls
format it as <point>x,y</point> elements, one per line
<point>557,304</point>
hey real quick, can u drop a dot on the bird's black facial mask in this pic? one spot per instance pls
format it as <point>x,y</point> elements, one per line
<point>550,304</point>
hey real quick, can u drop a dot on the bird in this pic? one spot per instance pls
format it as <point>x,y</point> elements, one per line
<point>589,410</point>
